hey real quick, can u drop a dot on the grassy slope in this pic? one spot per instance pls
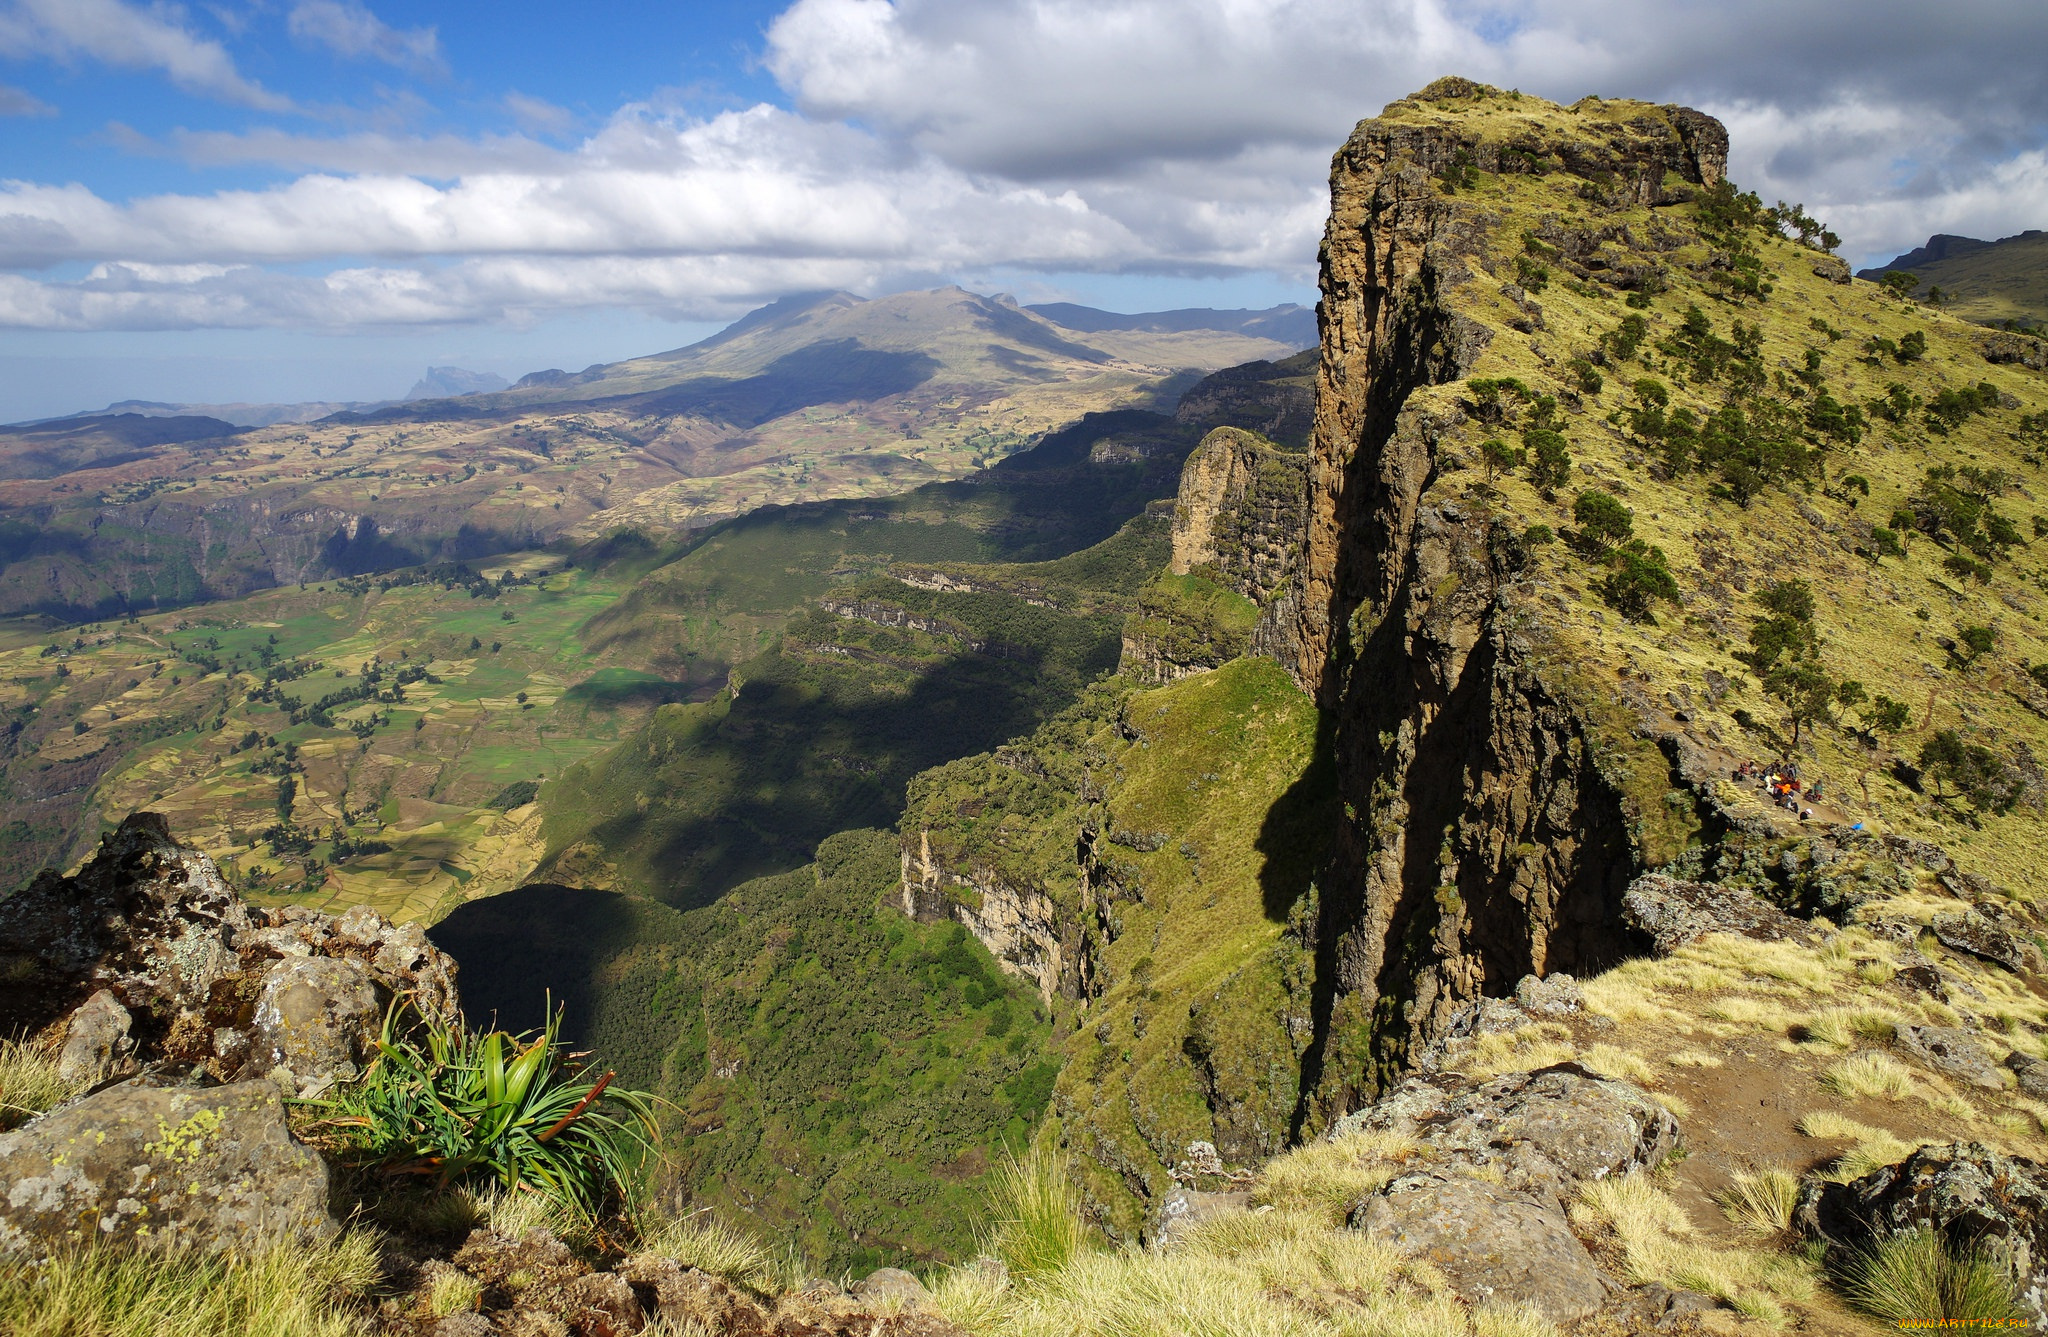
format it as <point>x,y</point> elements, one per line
<point>826,728</point>
<point>2004,281</point>
<point>1212,816</point>
<point>1879,618</point>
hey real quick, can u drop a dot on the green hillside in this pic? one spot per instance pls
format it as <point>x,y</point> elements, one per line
<point>1990,282</point>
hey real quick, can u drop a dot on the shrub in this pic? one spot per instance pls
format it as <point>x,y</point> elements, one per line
<point>1602,519</point>
<point>1915,1276</point>
<point>1638,579</point>
<point>465,1106</point>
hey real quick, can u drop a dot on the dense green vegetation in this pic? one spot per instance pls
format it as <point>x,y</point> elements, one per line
<point>836,1070</point>
<point>824,730</point>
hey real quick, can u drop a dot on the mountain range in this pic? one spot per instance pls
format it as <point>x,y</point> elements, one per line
<point>1990,282</point>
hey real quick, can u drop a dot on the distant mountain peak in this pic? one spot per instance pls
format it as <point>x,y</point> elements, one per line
<point>448,382</point>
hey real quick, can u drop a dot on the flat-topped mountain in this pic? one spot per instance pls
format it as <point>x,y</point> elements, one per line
<point>1986,281</point>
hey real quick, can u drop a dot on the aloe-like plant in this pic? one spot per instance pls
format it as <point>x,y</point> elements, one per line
<point>460,1105</point>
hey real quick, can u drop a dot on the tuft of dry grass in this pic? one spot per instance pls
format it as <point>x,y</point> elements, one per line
<point>1692,1058</point>
<point>292,1290</point>
<point>1872,1147</point>
<point>1610,1061</point>
<point>1660,1245</point>
<point>704,1242</point>
<point>1762,1201</point>
<point>1869,1075</point>
<point>29,1084</point>
<point>1847,1027</point>
<point>1519,1050</point>
<point>1330,1176</point>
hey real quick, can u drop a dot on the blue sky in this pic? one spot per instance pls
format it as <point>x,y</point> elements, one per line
<point>315,199</point>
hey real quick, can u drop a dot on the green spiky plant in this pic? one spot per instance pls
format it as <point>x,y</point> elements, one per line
<point>464,1106</point>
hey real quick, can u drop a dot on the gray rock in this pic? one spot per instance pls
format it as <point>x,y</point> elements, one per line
<point>1977,936</point>
<point>1951,1050</point>
<point>146,917</point>
<point>1544,1132</point>
<point>314,1015</point>
<point>1557,996</point>
<point>2031,1072</point>
<point>1672,913</point>
<point>1491,1245</point>
<point>1832,268</point>
<point>890,1285</point>
<point>1977,1198</point>
<point>206,1169</point>
<point>464,1324</point>
<point>96,1041</point>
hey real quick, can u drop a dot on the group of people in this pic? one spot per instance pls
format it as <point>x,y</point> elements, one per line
<point>1782,783</point>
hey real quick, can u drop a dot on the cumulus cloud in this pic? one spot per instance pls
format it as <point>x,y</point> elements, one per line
<point>130,37</point>
<point>348,29</point>
<point>951,136</point>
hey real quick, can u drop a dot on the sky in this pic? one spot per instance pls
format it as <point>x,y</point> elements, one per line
<point>285,200</point>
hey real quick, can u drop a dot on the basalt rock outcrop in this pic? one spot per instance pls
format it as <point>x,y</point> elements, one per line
<point>1979,1200</point>
<point>147,960</point>
<point>205,1168</point>
<point>1495,823</point>
<point>1497,1165</point>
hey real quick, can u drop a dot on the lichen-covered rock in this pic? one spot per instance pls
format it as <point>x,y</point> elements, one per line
<point>315,1015</point>
<point>1977,1198</point>
<point>1543,1133</point>
<point>97,1044</point>
<point>1978,936</point>
<point>147,918</point>
<point>178,1166</point>
<point>1952,1050</point>
<point>2031,1072</point>
<point>1832,268</point>
<point>1672,913</point>
<point>1491,1245</point>
<point>1557,996</point>
<point>148,959</point>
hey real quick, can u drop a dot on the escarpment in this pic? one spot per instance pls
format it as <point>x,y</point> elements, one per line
<point>1483,839</point>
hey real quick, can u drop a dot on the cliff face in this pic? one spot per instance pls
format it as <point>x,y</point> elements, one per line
<point>1481,839</point>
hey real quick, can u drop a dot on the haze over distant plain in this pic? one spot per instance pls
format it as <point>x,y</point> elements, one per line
<point>318,198</point>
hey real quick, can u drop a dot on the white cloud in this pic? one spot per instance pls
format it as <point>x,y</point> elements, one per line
<point>936,137</point>
<point>130,37</point>
<point>19,102</point>
<point>348,29</point>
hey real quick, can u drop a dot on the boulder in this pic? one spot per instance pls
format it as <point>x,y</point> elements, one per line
<point>1490,1244</point>
<point>2031,1072</point>
<point>315,1015</point>
<point>1672,913</point>
<point>1832,268</point>
<point>147,959</point>
<point>180,1166</point>
<point>1972,933</point>
<point>1543,1133</point>
<point>889,1287</point>
<point>1951,1050</point>
<point>1557,996</point>
<point>97,1044</point>
<point>147,918</point>
<point>1976,1197</point>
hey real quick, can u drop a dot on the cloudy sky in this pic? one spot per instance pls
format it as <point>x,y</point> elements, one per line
<point>298,199</point>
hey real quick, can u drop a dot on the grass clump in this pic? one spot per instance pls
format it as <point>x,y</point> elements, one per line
<point>1330,1176</point>
<point>1762,1201</point>
<point>704,1242</point>
<point>290,1290</point>
<point>462,1106</point>
<point>29,1084</point>
<point>1868,1075</point>
<point>1915,1275</point>
<point>1660,1245</point>
<point>1038,1228</point>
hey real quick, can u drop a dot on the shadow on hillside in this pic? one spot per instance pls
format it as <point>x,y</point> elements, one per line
<point>804,752</point>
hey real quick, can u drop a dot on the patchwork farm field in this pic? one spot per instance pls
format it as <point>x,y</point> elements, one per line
<point>354,742</point>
